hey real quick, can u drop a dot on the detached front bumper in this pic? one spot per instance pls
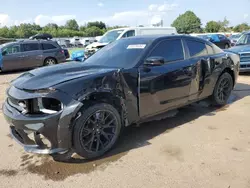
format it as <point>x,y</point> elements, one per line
<point>41,133</point>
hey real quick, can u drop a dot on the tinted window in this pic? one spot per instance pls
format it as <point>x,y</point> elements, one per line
<point>209,50</point>
<point>47,46</point>
<point>196,48</point>
<point>12,49</point>
<point>171,50</point>
<point>30,47</point>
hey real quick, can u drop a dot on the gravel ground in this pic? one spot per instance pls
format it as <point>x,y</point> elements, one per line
<point>200,147</point>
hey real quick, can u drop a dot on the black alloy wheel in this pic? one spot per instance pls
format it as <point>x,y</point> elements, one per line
<point>97,130</point>
<point>222,89</point>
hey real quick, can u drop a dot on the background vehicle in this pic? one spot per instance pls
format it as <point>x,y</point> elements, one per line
<point>234,39</point>
<point>66,53</point>
<point>218,39</point>
<point>92,101</point>
<point>75,41</point>
<point>26,54</point>
<point>119,33</point>
<point>85,42</point>
<point>242,47</point>
<point>65,43</point>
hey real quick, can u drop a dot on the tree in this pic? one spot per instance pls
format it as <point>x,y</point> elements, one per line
<point>100,24</point>
<point>72,25</point>
<point>187,23</point>
<point>51,26</point>
<point>93,31</point>
<point>212,27</point>
<point>241,27</point>
<point>224,24</point>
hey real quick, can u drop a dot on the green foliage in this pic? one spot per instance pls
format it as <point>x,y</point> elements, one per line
<point>241,27</point>
<point>187,23</point>
<point>223,25</point>
<point>72,25</point>
<point>93,31</point>
<point>100,25</point>
<point>213,27</point>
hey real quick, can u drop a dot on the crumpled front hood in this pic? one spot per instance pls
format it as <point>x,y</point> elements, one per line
<point>46,77</point>
<point>240,49</point>
<point>95,44</point>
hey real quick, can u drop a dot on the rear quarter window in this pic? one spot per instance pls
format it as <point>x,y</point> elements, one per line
<point>47,46</point>
<point>196,48</point>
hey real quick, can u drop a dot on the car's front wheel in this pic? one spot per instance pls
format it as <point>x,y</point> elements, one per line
<point>222,90</point>
<point>96,130</point>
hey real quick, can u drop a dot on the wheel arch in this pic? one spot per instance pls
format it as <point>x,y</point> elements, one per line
<point>106,97</point>
<point>230,71</point>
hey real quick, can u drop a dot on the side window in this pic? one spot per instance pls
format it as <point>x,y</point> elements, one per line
<point>47,46</point>
<point>209,50</point>
<point>13,49</point>
<point>216,49</point>
<point>170,50</point>
<point>248,39</point>
<point>27,47</point>
<point>130,33</point>
<point>196,49</point>
<point>222,37</point>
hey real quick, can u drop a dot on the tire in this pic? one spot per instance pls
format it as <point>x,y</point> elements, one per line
<point>226,46</point>
<point>96,131</point>
<point>222,90</point>
<point>49,61</point>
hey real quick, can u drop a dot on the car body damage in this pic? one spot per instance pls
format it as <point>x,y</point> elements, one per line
<point>82,106</point>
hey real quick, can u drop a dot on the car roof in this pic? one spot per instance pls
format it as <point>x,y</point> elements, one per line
<point>160,37</point>
<point>35,41</point>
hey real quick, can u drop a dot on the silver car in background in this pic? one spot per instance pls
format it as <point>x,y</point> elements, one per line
<point>26,54</point>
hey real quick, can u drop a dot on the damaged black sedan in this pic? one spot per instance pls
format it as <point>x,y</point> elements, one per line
<point>83,107</point>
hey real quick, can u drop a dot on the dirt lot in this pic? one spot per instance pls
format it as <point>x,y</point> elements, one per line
<point>201,147</point>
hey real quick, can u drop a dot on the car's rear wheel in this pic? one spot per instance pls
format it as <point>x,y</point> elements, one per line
<point>49,61</point>
<point>226,46</point>
<point>222,90</point>
<point>96,130</point>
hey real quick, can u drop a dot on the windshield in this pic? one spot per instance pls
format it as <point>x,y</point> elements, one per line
<point>243,40</point>
<point>111,36</point>
<point>123,53</point>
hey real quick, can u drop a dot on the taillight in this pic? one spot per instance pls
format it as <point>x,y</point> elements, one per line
<point>62,51</point>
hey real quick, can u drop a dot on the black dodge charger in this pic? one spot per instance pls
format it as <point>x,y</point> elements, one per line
<point>83,107</point>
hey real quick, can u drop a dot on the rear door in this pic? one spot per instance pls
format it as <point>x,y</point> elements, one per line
<point>12,59</point>
<point>205,58</point>
<point>32,54</point>
<point>166,86</point>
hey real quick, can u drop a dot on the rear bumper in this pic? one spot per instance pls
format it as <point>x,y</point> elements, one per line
<point>41,133</point>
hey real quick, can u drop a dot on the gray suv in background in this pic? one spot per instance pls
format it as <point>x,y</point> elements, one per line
<point>27,54</point>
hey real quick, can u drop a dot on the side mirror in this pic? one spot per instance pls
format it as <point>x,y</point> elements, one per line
<point>154,61</point>
<point>4,52</point>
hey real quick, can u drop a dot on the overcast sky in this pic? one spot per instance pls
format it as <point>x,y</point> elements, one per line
<point>118,12</point>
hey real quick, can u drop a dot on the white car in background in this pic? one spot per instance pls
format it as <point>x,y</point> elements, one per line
<point>119,33</point>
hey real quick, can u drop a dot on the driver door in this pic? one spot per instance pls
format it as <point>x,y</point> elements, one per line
<point>168,85</point>
<point>12,59</point>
